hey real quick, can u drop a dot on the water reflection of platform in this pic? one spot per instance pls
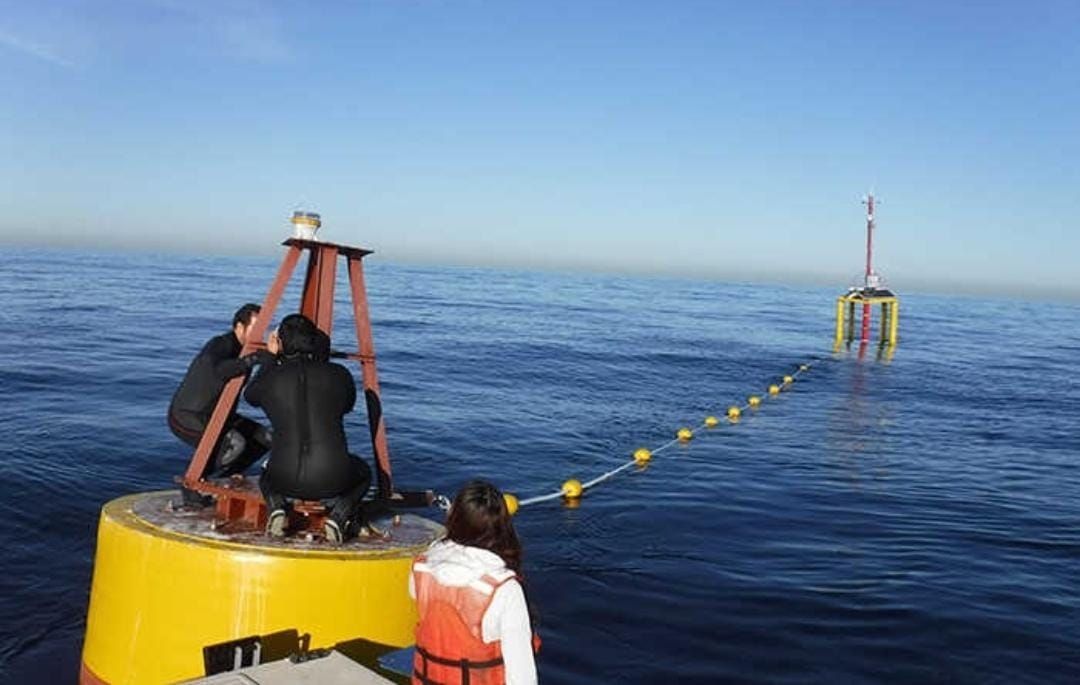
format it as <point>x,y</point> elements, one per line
<point>406,532</point>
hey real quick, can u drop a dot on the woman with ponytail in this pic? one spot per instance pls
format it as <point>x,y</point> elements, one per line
<point>474,620</point>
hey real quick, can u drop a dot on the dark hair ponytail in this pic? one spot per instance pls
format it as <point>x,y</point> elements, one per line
<point>298,336</point>
<point>479,518</point>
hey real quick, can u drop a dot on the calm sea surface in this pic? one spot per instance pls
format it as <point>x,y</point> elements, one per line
<point>910,521</point>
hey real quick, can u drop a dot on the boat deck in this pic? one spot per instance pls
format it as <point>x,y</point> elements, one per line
<point>333,669</point>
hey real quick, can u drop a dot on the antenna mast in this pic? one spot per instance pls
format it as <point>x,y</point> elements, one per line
<point>871,278</point>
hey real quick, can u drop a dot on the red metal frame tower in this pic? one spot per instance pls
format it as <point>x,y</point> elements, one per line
<point>238,501</point>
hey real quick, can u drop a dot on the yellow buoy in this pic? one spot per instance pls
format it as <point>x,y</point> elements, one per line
<point>511,503</point>
<point>711,421</point>
<point>788,380</point>
<point>754,401</point>
<point>685,435</point>
<point>572,489</point>
<point>733,413</point>
<point>165,585</point>
<point>774,389</point>
<point>642,456</point>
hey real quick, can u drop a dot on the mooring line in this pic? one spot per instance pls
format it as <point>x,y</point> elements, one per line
<point>573,489</point>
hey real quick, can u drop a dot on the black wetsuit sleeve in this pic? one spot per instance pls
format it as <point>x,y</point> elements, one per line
<point>350,389</point>
<point>226,364</point>
<point>254,392</point>
<point>259,357</point>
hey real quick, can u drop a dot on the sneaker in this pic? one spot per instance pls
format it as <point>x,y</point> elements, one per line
<point>232,446</point>
<point>332,531</point>
<point>193,500</point>
<point>275,525</point>
<point>370,530</point>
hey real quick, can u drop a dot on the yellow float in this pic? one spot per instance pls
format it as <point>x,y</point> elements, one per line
<point>572,489</point>
<point>512,504</point>
<point>166,585</point>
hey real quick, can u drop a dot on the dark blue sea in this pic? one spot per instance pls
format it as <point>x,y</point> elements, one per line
<point>904,520</point>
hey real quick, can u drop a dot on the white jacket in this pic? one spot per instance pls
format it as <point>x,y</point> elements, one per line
<point>506,618</point>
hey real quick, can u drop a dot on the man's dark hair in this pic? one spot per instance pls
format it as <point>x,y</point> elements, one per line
<point>244,314</point>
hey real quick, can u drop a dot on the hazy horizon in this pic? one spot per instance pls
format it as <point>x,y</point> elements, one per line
<point>272,249</point>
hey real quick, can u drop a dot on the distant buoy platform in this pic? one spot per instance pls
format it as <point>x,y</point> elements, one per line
<point>167,584</point>
<point>846,314</point>
<point>869,294</point>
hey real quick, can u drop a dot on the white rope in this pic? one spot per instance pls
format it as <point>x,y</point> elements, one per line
<point>622,467</point>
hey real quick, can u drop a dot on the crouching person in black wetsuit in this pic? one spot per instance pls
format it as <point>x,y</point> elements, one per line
<point>242,441</point>
<point>306,398</point>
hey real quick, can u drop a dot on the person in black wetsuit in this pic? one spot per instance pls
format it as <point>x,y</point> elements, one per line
<point>306,398</point>
<point>243,440</point>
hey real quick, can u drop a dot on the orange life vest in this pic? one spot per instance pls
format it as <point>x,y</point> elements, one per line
<point>450,649</point>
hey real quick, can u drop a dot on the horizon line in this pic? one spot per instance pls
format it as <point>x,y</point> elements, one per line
<point>928,286</point>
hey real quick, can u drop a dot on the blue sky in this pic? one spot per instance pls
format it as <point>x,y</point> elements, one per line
<point>721,139</point>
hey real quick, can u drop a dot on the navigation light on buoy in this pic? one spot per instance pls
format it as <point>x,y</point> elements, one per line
<point>305,224</point>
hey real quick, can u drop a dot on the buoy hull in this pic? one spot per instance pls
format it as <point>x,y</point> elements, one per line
<point>161,593</point>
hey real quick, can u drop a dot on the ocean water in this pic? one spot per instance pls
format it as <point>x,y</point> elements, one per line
<point>904,520</point>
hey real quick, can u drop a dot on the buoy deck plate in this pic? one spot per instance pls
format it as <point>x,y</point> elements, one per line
<point>405,532</point>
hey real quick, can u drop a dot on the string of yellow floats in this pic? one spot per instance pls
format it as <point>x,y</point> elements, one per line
<point>573,488</point>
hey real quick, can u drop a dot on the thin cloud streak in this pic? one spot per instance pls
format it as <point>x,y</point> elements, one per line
<point>71,36</point>
<point>38,50</point>
<point>243,29</point>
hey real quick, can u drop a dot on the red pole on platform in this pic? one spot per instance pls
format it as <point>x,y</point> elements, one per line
<point>869,235</point>
<point>869,263</point>
<point>371,378</point>
<point>230,395</point>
